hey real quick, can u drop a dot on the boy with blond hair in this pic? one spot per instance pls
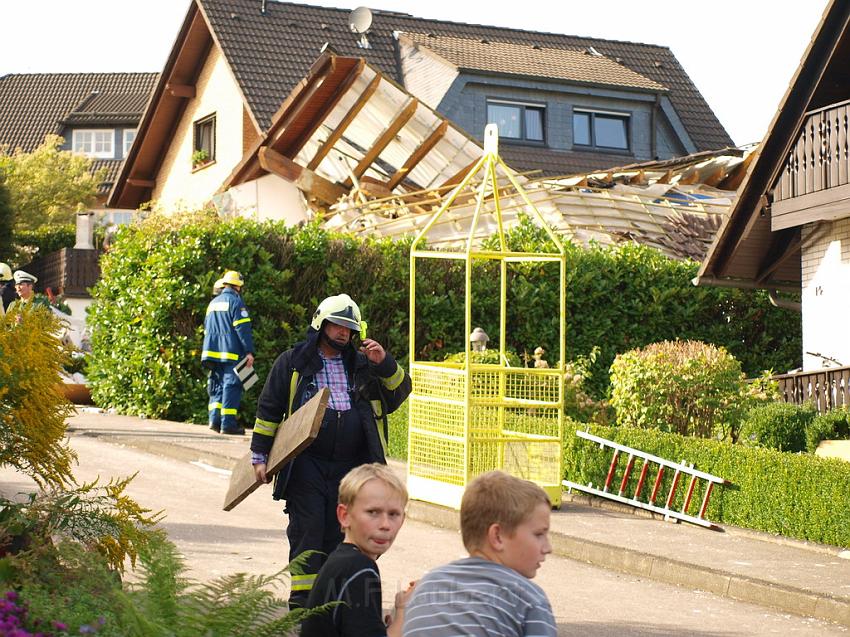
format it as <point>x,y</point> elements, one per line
<point>370,511</point>
<point>504,524</point>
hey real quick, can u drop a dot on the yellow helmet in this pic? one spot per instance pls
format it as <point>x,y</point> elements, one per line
<point>5,272</point>
<point>232,277</point>
<point>340,310</point>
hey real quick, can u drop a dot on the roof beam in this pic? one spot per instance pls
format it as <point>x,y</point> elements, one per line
<point>180,90</point>
<point>300,97</point>
<point>295,146</point>
<point>338,132</point>
<point>384,140</point>
<point>141,183</point>
<point>459,175</point>
<point>783,244</point>
<point>305,180</point>
<point>419,154</point>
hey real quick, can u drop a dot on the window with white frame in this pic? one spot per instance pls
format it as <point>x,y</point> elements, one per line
<point>94,143</point>
<point>129,136</point>
<point>203,143</point>
<point>601,129</point>
<point>517,120</point>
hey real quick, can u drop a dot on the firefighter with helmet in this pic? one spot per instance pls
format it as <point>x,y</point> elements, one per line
<point>228,338</point>
<point>7,288</point>
<point>365,384</point>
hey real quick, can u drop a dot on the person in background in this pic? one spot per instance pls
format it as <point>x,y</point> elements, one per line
<point>365,385</point>
<point>25,287</point>
<point>7,287</point>
<point>228,338</point>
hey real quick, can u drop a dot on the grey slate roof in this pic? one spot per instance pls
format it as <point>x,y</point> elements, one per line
<point>270,53</point>
<point>33,105</point>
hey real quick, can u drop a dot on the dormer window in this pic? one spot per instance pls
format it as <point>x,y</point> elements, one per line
<point>129,136</point>
<point>94,143</point>
<point>601,129</point>
<point>517,120</point>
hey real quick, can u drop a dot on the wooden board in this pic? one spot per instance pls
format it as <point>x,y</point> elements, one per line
<point>293,436</point>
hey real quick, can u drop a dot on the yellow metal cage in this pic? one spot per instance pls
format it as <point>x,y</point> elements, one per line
<point>467,418</point>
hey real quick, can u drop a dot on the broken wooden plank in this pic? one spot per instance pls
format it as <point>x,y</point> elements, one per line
<point>294,435</point>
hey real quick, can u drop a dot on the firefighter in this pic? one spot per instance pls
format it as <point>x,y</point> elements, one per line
<point>228,339</point>
<point>7,288</point>
<point>365,384</point>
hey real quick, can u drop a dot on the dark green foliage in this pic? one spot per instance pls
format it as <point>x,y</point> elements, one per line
<point>832,425</point>
<point>778,425</point>
<point>7,222</point>
<point>157,280</point>
<point>796,495</point>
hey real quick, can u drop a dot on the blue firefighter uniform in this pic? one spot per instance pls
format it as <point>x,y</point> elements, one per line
<point>227,339</point>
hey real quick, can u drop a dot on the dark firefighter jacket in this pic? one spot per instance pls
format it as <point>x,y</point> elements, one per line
<point>377,390</point>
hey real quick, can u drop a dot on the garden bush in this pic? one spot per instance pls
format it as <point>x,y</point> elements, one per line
<point>780,425</point>
<point>685,387</point>
<point>832,425</point>
<point>795,495</point>
<point>33,407</point>
<point>156,280</point>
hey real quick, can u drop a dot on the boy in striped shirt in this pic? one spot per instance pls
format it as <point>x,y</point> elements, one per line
<point>504,524</point>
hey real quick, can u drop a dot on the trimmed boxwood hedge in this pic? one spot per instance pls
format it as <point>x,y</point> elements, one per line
<point>149,305</point>
<point>795,495</point>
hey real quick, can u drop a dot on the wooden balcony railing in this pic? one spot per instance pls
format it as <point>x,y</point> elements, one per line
<point>68,271</point>
<point>819,159</point>
<point>826,388</point>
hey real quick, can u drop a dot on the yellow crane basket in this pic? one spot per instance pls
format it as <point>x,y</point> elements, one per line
<point>469,417</point>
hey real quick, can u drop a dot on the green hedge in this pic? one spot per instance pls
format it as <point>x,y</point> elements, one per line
<point>156,282</point>
<point>795,495</point>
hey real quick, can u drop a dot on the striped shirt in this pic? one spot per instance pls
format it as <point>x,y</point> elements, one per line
<point>332,375</point>
<point>475,597</point>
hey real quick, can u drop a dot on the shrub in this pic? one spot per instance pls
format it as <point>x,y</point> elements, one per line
<point>155,285</point>
<point>780,425</point>
<point>832,425</point>
<point>685,387</point>
<point>796,495</point>
<point>33,407</point>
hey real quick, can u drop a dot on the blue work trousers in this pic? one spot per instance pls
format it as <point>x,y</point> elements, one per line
<point>225,390</point>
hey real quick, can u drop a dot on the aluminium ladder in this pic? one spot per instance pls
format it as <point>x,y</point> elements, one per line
<point>650,505</point>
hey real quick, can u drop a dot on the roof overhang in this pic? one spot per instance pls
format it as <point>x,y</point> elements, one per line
<point>746,252</point>
<point>348,126</point>
<point>162,114</point>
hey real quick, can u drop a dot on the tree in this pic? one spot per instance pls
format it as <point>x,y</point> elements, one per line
<point>48,186</point>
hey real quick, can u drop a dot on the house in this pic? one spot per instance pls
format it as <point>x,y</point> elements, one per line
<point>564,104</point>
<point>96,113</point>
<point>790,227</point>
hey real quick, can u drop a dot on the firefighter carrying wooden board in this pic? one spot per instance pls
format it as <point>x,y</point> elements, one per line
<point>365,384</point>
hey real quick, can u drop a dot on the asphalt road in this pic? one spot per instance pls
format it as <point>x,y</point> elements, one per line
<point>587,600</point>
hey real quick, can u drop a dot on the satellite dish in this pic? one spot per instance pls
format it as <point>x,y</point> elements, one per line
<point>360,20</point>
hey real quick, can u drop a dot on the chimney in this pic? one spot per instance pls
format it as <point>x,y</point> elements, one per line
<point>85,231</point>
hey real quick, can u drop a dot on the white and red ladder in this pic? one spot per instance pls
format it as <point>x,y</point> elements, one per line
<point>650,504</point>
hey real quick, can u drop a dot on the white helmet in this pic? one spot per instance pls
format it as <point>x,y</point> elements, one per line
<point>25,277</point>
<point>340,310</point>
<point>5,272</point>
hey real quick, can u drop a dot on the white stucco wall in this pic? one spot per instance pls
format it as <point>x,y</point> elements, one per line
<point>826,293</point>
<point>216,92</point>
<point>268,197</point>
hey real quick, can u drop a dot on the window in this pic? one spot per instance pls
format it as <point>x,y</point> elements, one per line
<point>94,143</point>
<point>517,120</point>
<point>203,145</point>
<point>129,136</point>
<point>601,129</point>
